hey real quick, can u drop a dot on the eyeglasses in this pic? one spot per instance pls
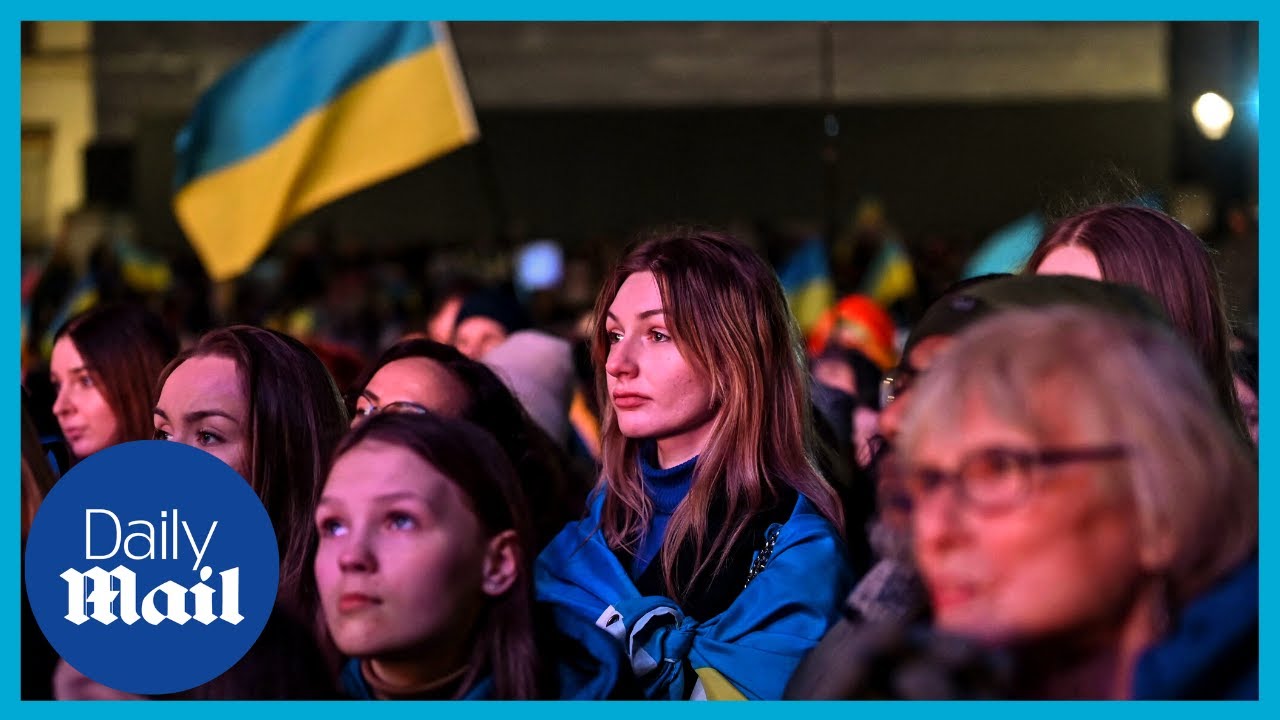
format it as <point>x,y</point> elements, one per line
<point>400,406</point>
<point>998,478</point>
<point>898,381</point>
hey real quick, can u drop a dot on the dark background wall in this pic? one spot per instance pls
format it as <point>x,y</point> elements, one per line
<point>593,130</point>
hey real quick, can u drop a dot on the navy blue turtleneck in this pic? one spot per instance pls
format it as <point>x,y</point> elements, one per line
<point>666,488</point>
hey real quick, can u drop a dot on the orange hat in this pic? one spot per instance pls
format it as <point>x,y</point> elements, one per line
<point>859,323</point>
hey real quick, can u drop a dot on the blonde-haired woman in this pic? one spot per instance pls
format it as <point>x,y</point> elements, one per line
<point>1080,499</point>
<point>711,557</point>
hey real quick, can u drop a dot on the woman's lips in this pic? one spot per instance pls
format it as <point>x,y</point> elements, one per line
<point>353,602</point>
<point>628,401</point>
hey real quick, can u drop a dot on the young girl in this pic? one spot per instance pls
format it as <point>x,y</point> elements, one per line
<point>422,564</point>
<point>710,560</point>
<point>103,368</point>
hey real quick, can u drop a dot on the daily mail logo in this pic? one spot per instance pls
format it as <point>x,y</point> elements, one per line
<point>101,596</point>
<point>143,546</point>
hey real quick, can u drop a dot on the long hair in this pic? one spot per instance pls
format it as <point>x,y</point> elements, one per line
<point>1147,248</point>
<point>1194,481</point>
<point>471,458</point>
<point>296,418</point>
<point>124,347</point>
<point>555,493</point>
<point>730,321</point>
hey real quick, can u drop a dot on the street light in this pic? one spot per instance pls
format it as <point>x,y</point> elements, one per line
<point>1213,115</point>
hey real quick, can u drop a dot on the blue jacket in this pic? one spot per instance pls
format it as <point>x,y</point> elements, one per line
<point>625,643</point>
<point>1211,652</point>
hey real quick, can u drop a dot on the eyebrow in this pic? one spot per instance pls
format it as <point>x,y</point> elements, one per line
<point>382,499</point>
<point>197,415</point>
<point>75,370</point>
<point>641,316</point>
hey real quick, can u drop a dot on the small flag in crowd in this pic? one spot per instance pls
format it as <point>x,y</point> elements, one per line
<point>806,279</point>
<point>329,108</point>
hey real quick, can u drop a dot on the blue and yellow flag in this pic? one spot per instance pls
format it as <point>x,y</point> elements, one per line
<point>890,276</point>
<point>329,108</point>
<point>806,279</point>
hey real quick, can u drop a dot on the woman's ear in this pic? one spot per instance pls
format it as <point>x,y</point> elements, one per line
<point>502,563</point>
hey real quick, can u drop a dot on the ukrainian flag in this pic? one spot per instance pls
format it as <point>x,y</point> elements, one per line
<point>806,279</point>
<point>328,109</point>
<point>890,276</point>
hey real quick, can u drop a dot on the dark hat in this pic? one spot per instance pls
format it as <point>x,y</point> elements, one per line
<point>497,304</point>
<point>971,300</point>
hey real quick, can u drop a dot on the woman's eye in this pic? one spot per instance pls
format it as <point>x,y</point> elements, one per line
<point>331,527</point>
<point>161,435</point>
<point>660,336</point>
<point>207,438</point>
<point>86,381</point>
<point>401,521</point>
<point>613,337</point>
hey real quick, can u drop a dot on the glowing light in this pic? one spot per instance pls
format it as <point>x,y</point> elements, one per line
<point>1213,115</point>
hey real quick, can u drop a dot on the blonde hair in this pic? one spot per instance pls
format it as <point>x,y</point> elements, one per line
<point>1193,481</point>
<point>730,320</point>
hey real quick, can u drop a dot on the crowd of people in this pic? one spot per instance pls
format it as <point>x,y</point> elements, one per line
<point>1048,491</point>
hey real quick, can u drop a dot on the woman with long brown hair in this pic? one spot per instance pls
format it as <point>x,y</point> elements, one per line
<point>711,558</point>
<point>1151,250</point>
<point>263,403</point>
<point>104,365</point>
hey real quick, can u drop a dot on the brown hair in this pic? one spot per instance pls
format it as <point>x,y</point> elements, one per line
<point>124,348</point>
<point>471,458</point>
<point>729,319</point>
<point>1144,247</point>
<point>296,417</point>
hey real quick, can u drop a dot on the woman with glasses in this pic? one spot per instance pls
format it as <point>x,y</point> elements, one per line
<point>1091,513</point>
<point>710,560</point>
<point>417,376</point>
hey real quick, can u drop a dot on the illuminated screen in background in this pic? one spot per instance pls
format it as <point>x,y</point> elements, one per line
<point>539,265</point>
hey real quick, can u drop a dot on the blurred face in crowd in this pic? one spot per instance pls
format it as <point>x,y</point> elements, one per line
<point>477,335</point>
<point>411,384</point>
<point>656,393</point>
<point>1071,260</point>
<point>400,560</point>
<point>1027,548</point>
<point>203,404</point>
<point>87,421</point>
<point>919,360</point>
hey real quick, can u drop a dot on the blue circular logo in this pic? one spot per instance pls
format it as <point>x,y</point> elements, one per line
<point>151,567</point>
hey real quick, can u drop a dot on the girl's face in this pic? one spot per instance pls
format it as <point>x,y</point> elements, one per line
<point>203,404</point>
<point>656,393</point>
<point>87,421</point>
<point>400,564</point>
